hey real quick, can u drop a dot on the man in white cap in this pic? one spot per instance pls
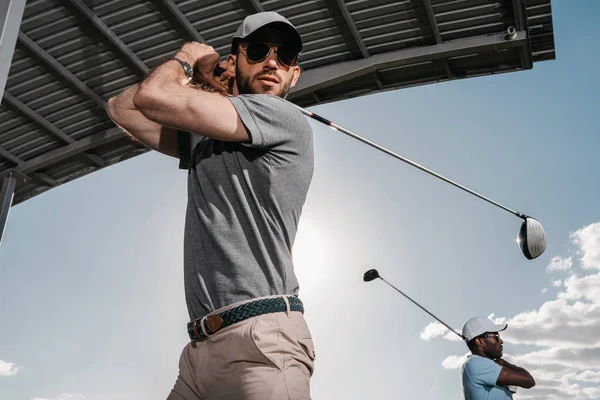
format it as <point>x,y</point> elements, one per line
<point>249,157</point>
<point>485,375</point>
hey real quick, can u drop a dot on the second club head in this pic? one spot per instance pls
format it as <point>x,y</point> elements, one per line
<point>370,275</point>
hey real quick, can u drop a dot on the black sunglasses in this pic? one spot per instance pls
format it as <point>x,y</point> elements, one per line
<point>259,51</point>
<point>494,335</point>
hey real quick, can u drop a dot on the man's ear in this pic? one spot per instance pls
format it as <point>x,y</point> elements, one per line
<point>296,75</point>
<point>230,60</point>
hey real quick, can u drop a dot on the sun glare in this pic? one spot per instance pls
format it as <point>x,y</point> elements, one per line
<point>312,256</point>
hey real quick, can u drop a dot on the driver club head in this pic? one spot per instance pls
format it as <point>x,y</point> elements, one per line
<point>371,275</point>
<point>531,238</point>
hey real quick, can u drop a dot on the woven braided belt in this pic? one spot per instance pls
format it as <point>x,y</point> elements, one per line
<point>241,313</point>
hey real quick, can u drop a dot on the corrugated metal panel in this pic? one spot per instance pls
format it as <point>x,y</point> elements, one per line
<point>22,138</point>
<point>541,29</point>
<point>390,25</point>
<point>334,33</point>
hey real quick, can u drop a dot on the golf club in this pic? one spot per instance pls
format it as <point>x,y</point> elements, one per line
<point>531,237</point>
<point>373,274</point>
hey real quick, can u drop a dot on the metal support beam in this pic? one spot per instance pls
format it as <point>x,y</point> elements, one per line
<point>140,68</point>
<point>47,125</point>
<point>46,179</point>
<point>181,19</point>
<point>436,33</point>
<point>11,14</point>
<point>7,155</point>
<point>57,67</point>
<point>39,176</point>
<point>340,6</point>
<point>68,151</point>
<point>256,6</point>
<point>360,43</point>
<point>322,77</point>
<point>432,21</point>
<point>7,193</point>
<point>378,81</point>
<point>520,14</point>
<point>316,97</point>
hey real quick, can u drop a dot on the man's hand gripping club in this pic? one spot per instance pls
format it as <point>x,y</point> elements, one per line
<point>204,60</point>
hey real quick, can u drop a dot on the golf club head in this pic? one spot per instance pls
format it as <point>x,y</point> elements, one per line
<point>531,238</point>
<point>370,275</point>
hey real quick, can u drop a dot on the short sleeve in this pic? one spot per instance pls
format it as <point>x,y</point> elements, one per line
<point>483,371</point>
<point>272,122</point>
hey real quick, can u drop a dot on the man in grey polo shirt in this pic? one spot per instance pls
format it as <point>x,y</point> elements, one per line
<point>249,157</point>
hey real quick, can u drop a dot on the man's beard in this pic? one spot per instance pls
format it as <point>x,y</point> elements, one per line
<point>244,82</point>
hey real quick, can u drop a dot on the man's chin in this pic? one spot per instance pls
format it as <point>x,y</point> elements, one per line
<point>264,89</point>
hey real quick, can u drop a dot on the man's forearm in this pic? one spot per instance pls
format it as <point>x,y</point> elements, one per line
<point>124,100</point>
<point>512,375</point>
<point>119,107</point>
<point>167,75</point>
<point>161,80</point>
<point>518,370</point>
<point>160,96</point>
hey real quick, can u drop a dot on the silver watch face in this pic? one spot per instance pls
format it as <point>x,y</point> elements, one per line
<point>188,69</point>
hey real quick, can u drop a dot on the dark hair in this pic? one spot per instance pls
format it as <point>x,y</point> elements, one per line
<point>471,343</point>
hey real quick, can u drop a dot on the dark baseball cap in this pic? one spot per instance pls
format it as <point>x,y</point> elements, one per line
<point>267,19</point>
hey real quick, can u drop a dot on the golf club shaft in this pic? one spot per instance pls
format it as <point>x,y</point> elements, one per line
<point>422,308</point>
<point>383,149</point>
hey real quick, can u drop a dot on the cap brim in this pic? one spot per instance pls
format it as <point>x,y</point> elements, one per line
<point>499,328</point>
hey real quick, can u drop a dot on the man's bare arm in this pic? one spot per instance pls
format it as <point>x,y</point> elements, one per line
<point>165,98</point>
<point>513,375</point>
<point>156,136</point>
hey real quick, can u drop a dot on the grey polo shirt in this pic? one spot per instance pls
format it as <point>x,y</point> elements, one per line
<point>244,205</point>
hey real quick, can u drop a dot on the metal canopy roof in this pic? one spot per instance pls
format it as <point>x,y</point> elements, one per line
<point>73,55</point>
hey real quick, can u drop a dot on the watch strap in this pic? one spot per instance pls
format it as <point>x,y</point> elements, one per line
<point>187,68</point>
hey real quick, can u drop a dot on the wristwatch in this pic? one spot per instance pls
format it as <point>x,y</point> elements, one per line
<point>187,68</point>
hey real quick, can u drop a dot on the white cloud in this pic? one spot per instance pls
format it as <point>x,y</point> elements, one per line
<point>562,391</point>
<point>557,283</point>
<point>432,330</point>
<point>436,329</point>
<point>544,290</point>
<point>64,396</point>
<point>8,369</point>
<point>588,376</point>
<point>588,240</point>
<point>559,264</point>
<point>586,288</point>
<point>454,362</point>
<point>566,330</point>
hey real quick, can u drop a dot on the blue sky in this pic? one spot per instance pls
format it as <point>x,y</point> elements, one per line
<point>91,290</point>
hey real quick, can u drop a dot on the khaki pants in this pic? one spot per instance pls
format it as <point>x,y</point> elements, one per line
<point>267,357</point>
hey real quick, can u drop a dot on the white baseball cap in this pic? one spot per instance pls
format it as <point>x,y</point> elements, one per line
<point>478,325</point>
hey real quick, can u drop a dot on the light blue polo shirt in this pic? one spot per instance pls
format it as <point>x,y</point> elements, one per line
<point>479,376</point>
